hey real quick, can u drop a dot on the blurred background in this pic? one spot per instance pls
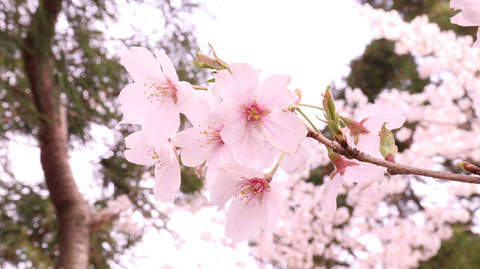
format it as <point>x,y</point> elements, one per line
<point>63,175</point>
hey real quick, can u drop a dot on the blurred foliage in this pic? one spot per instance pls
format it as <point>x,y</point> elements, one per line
<point>90,77</point>
<point>381,68</point>
<point>460,251</point>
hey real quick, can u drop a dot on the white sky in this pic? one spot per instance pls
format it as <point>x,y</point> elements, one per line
<point>313,41</point>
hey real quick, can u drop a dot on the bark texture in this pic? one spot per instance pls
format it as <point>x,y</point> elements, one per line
<point>72,211</point>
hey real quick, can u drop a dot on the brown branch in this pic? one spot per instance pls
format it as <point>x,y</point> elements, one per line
<point>392,168</point>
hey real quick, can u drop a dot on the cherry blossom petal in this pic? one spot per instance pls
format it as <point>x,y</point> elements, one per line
<point>167,66</point>
<point>284,131</point>
<point>167,177</point>
<point>238,86</point>
<point>224,187</point>
<point>457,4</point>
<point>134,104</point>
<point>192,103</point>
<point>460,20</point>
<point>297,162</point>
<point>243,220</point>
<point>471,11</point>
<point>140,64</point>
<point>271,208</point>
<point>273,93</point>
<point>162,123</point>
<point>137,151</point>
<point>195,149</point>
<point>243,138</point>
<point>378,114</point>
<point>138,156</point>
<point>370,144</point>
<point>242,171</point>
<point>363,173</point>
<point>330,191</point>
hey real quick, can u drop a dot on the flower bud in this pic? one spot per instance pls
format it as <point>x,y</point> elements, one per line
<point>208,62</point>
<point>387,144</point>
<point>333,119</point>
<point>469,167</point>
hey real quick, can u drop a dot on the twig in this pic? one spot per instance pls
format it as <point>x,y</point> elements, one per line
<point>392,168</point>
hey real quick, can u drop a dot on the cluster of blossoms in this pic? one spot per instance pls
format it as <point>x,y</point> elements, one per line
<point>403,221</point>
<point>243,131</point>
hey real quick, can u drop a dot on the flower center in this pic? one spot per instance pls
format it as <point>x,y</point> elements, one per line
<point>252,189</point>
<point>254,112</point>
<point>152,153</point>
<point>212,134</point>
<point>159,92</point>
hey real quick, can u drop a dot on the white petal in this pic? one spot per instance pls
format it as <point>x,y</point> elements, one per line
<point>138,156</point>
<point>273,93</point>
<point>223,188</point>
<point>195,147</point>
<point>162,123</point>
<point>362,173</point>
<point>242,171</point>
<point>330,191</point>
<point>134,104</point>
<point>378,114</point>
<point>297,162</point>
<point>271,208</point>
<point>457,4</point>
<point>167,66</point>
<point>140,63</point>
<point>471,11</point>
<point>192,103</point>
<point>240,86</point>
<point>284,131</point>
<point>460,20</point>
<point>370,144</point>
<point>243,220</point>
<point>245,142</point>
<point>167,176</point>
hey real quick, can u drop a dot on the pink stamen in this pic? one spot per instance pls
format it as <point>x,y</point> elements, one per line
<point>252,189</point>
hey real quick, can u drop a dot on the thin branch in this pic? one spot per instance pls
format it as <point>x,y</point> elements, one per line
<point>392,168</point>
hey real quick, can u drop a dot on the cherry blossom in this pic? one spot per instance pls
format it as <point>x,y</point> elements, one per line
<point>348,172</point>
<point>157,96</point>
<point>164,157</point>
<point>256,202</point>
<point>253,110</point>
<point>204,144</point>
<point>367,124</point>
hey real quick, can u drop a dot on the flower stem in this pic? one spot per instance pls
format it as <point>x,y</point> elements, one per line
<point>309,121</point>
<point>312,106</point>
<point>269,175</point>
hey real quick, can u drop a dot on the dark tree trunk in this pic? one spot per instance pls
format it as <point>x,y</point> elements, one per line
<point>72,211</point>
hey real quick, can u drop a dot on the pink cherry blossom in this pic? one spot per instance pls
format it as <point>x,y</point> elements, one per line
<point>364,130</point>
<point>203,143</point>
<point>256,202</point>
<point>254,111</point>
<point>348,172</point>
<point>167,168</point>
<point>156,97</point>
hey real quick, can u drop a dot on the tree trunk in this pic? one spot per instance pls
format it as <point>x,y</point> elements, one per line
<point>72,211</point>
